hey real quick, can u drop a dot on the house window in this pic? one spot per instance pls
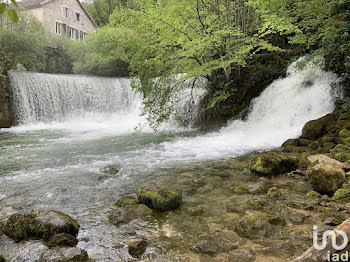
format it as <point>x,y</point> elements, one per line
<point>65,12</point>
<point>78,16</point>
<point>58,28</point>
<point>82,35</point>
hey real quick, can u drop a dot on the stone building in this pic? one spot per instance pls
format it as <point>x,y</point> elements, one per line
<point>63,17</point>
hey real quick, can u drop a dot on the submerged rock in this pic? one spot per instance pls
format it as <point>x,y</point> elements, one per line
<point>68,254</point>
<point>62,240</point>
<point>111,169</point>
<point>274,193</point>
<point>205,247</point>
<point>239,188</point>
<point>124,215</point>
<point>126,201</point>
<point>57,222</point>
<point>326,178</point>
<point>242,255</point>
<point>259,187</point>
<point>159,197</point>
<point>273,164</point>
<point>252,227</point>
<point>137,248</point>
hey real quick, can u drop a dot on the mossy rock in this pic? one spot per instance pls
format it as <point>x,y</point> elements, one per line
<point>344,124</point>
<point>273,164</point>
<point>126,201</point>
<point>345,141</point>
<point>313,195</point>
<point>343,157</point>
<point>328,146</point>
<point>253,227</point>
<point>344,133</point>
<point>2,259</point>
<point>239,188</point>
<point>159,197</point>
<point>340,148</point>
<point>327,138</point>
<point>274,193</point>
<point>315,129</point>
<point>295,149</point>
<point>62,240</point>
<point>54,222</point>
<point>111,169</point>
<point>22,227</point>
<point>342,195</point>
<point>291,142</point>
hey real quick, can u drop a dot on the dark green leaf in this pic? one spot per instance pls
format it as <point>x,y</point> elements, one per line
<point>14,3</point>
<point>13,15</point>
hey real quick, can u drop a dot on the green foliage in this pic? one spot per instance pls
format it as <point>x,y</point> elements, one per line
<point>28,44</point>
<point>100,10</point>
<point>191,40</point>
<point>105,52</point>
<point>12,14</point>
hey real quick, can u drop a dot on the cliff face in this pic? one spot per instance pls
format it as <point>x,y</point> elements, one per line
<point>5,105</point>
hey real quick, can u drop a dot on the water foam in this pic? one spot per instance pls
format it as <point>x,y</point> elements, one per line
<point>278,114</point>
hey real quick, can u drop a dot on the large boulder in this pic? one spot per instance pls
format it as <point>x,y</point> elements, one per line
<point>159,197</point>
<point>323,159</point>
<point>21,227</point>
<point>326,178</point>
<point>66,254</point>
<point>126,214</point>
<point>273,164</point>
<point>316,128</point>
<point>54,222</point>
<point>26,226</point>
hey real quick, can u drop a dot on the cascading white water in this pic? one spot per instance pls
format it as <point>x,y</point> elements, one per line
<point>278,114</point>
<point>82,103</point>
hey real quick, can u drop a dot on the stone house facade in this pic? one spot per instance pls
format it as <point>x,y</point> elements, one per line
<point>63,17</point>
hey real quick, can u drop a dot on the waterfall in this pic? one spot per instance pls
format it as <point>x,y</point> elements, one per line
<point>279,113</point>
<point>83,102</point>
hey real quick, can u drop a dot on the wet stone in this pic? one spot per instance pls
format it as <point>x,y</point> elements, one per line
<point>137,248</point>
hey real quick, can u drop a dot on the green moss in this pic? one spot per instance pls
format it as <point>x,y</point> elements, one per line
<point>343,157</point>
<point>345,141</point>
<point>313,195</point>
<point>62,240</point>
<point>295,149</point>
<point>21,227</point>
<point>159,197</point>
<point>239,188</point>
<point>126,201</point>
<point>344,133</point>
<point>273,163</point>
<point>342,195</point>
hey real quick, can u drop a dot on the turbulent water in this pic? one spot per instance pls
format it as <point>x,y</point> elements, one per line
<point>69,127</point>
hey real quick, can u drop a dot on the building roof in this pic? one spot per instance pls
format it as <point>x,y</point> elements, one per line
<point>30,4</point>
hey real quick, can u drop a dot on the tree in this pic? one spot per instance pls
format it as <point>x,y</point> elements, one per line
<point>192,38</point>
